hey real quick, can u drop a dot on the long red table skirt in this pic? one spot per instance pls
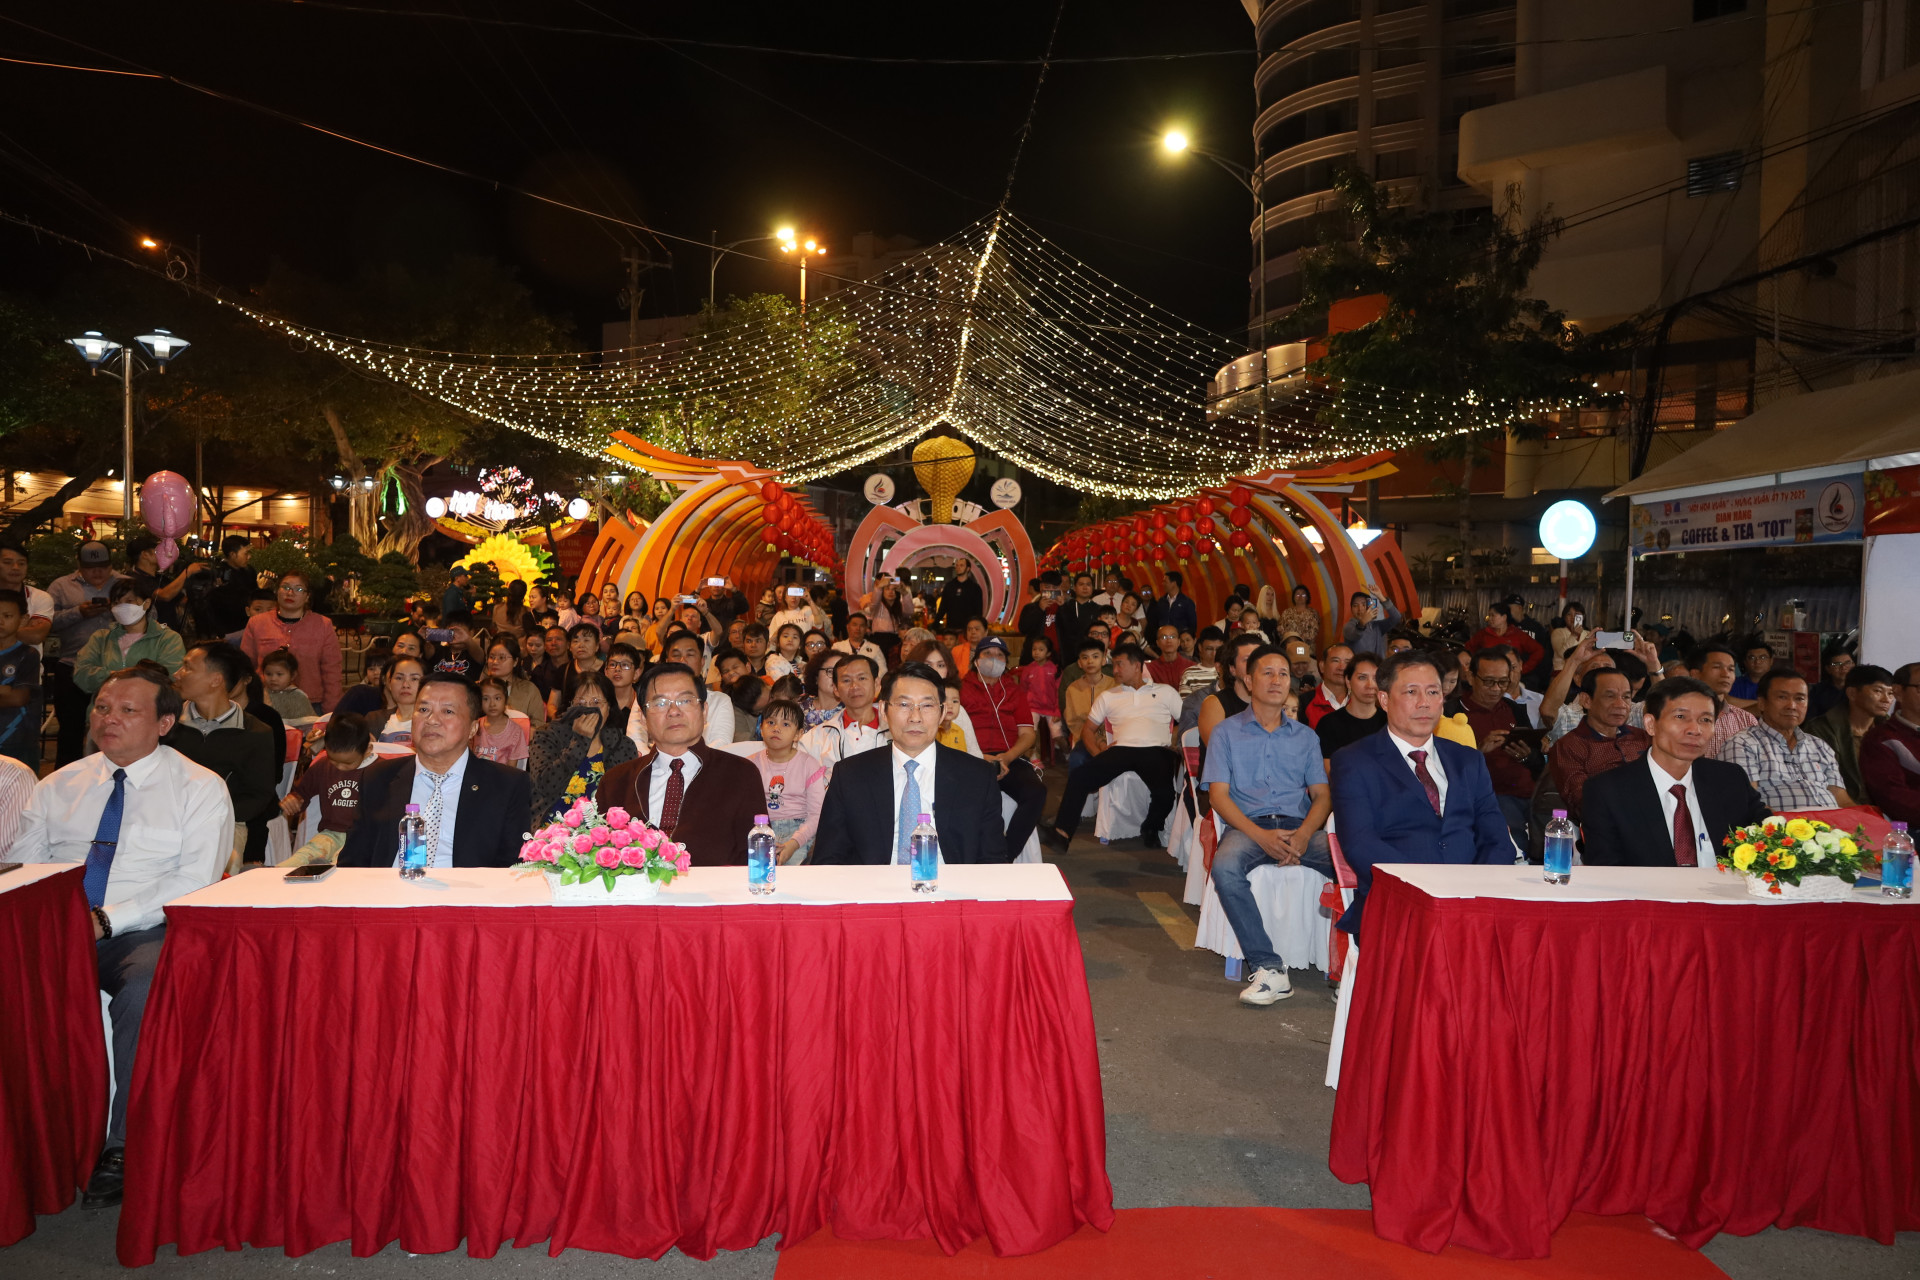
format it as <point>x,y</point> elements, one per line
<point>621,1079</point>
<point>1717,1068</point>
<point>53,1052</point>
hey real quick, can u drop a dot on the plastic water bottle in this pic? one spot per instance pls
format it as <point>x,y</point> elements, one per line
<point>413,844</point>
<point>923,855</point>
<point>1896,863</point>
<point>760,845</point>
<point>1559,855</point>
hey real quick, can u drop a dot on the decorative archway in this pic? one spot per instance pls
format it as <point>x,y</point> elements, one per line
<point>894,538</point>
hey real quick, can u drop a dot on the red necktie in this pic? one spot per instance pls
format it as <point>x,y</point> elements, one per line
<point>1683,851</point>
<point>670,805</point>
<point>1419,759</point>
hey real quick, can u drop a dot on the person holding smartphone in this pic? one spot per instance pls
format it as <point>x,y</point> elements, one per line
<point>1505,734</point>
<point>1568,632</point>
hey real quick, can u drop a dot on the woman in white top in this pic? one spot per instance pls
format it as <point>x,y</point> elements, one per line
<point>1568,632</point>
<point>887,607</point>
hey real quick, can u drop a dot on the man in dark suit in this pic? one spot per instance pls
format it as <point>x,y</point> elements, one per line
<point>875,797</point>
<point>960,597</point>
<point>1407,796</point>
<point>702,798</point>
<point>476,810</point>
<point>1172,609</point>
<point>1673,806</point>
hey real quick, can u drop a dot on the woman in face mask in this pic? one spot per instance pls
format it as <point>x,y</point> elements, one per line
<point>135,634</point>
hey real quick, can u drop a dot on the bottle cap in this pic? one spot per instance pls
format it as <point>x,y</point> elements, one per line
<point>926,817</point>
<point>1559,814</point>
<point>1899,826</point>
<point>759,819</point>
<point>413,808</point>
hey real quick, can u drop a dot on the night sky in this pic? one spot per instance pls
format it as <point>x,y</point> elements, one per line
<point>684,138</point>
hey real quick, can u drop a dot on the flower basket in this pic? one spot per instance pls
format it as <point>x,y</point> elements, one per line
<point>1810,889</point>
<point>593,858</point>
<point>1795,859</point>
<point>594,892</point>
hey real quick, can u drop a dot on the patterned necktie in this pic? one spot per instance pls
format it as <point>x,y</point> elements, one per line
<point>1419,759</point>
<point>1683,850</point>
<point>106,838</point>
<point>676,791</point>
<point>436,808</point>
<point>909,816</point>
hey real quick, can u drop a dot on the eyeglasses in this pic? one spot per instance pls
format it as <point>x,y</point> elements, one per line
<point>298,591</point>
<point>672,704</point>
<point>619,665</point>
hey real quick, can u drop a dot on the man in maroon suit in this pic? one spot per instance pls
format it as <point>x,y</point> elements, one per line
<point>702,798</point>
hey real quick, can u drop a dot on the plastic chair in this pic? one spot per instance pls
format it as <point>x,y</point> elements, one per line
<point>1289,899</point>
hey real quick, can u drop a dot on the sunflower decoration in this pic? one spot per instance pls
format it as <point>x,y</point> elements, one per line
<point>511,558</point>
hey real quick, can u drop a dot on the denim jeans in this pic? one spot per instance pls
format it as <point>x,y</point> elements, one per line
<point>1234,861</point>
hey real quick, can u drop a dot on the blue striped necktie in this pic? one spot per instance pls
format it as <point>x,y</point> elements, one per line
<point>106,838</point>
<point>909,816</point>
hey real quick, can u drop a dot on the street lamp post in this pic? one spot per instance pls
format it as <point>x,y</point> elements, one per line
<point>715,252</point>
<point>98,351</point>
<point>801,248</point>
<point>1178,143</point>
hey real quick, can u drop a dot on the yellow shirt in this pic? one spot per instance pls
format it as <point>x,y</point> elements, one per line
<point>1079,698</point>
<point>952,736</point>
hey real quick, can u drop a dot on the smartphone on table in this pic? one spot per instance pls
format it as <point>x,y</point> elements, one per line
<point>309,873</point>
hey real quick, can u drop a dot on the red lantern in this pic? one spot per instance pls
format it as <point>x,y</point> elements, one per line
<point>1240,517</point>
<point>1186,533</point>
<point>1139,524</point>
<point>1139,538</point>
<point>1159,537</point>
<point>771,490</point>
<point>769,517</point>
<point>1239,540</point>
<point>1159,519</point>
<point>1185,513</point>
<point>1204,506</point>
<point>1184,551</point>
<point>1241,495</point>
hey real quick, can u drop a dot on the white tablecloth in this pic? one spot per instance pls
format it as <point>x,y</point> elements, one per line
<point>1596,884</point>
<point>33,873</point>
<point>702,887</point>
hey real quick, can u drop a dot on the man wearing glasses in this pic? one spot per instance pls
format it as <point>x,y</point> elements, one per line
<point>1500,727</point>
<point>702,798</point>
<point>875,797</point>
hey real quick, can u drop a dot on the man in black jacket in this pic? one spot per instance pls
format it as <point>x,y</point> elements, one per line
<point>217,733</point>
<point>960,597</point>
<point>1078,613</point>
<point>476,811</point>
<point>875,797</point>
<point>1675,805</point>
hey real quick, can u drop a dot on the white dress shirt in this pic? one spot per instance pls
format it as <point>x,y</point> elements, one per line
<point>176,830</point>
<point>834,739</point>
<point>924,776</point>
<point>1142,717</point>
<point>16,788</point>
<point>441,855</point>
<point>1664,782</point>
<point>1435,769</point>
<point>661,775</point>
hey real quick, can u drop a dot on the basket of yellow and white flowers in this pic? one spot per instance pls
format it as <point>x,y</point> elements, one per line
<point>1798,859</point>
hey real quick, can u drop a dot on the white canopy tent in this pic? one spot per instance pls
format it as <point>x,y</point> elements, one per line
<point>1842,431</point>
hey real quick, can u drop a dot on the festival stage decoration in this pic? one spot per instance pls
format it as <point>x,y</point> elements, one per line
<point>732,519</point>
<point>512,559</point>
<point>997,333</point>
<point>937,529</point>
<point>1265,529</point>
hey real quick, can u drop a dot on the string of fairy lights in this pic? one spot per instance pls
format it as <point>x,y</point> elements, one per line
<point>996,333</point>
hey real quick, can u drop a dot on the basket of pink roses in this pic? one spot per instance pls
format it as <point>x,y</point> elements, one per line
<point>595,858</point>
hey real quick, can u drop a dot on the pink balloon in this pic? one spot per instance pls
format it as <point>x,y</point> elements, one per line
<point>166,504</point>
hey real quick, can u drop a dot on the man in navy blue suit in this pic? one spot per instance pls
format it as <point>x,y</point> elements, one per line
<point>1407,796</point>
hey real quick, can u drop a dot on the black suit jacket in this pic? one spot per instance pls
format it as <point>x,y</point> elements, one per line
<point>490,815</point>
<point>856,818</point>
<point>1625,826</point>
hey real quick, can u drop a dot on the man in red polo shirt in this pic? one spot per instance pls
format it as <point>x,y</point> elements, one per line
<point>1171,665</point>
<point>1003,723</point>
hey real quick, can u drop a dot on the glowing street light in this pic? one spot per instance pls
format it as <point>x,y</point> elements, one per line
<point>1175,141</point>
<point>788,244</point>
<point>99,351</point>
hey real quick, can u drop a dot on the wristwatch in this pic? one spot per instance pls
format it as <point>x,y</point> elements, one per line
<point>106,925</point>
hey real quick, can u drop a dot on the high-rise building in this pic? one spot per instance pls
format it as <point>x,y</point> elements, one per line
<point>1376,84</point>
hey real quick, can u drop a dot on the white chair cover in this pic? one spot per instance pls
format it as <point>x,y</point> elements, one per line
<point>1031,851</point>
<point>1123,808</point>
<point>279,841</point>
<point>1289,902</point>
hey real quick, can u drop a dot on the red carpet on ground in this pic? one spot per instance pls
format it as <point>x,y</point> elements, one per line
<point>1254,1244</point>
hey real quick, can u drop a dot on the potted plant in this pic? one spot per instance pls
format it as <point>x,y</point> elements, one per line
<point>589,857</point>
<point>1798,859</point>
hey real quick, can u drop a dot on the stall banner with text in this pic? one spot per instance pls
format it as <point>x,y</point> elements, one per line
<point>1893,500</point>
<point>1826,510</point>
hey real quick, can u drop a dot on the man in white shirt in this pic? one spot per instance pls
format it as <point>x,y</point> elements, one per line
<point>857,726</point>
<point>717,729</point>
<point>857,642</point>
<point>151,826</point>
<point>1129,729</point>
<point>16,788</point>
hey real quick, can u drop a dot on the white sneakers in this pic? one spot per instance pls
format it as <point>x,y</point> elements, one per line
<point>1267,987</point>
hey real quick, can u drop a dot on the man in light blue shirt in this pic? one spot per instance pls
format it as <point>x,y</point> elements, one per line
<point>1267,783</point>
